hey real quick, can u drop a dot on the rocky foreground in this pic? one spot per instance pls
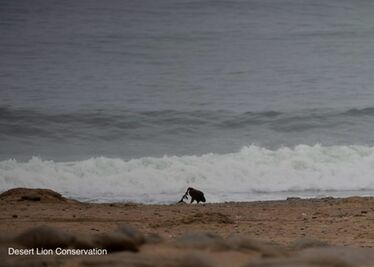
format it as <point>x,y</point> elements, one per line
<point>291,233</point>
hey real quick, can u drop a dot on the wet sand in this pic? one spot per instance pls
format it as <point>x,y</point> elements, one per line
<point>322,224</point>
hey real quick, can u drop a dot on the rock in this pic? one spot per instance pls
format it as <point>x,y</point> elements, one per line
<point>131,233</point>
<point>154,238</point>
<point>307,243</point>
<point>353,256</point>
<point>84,242</point>
<point>328,256</point>
<point>124,238</point>
<point>115,242</point>
<point>44,237</point>
<point>31,197</point>
<point>266,249</point>
<point>27,194</point>
<point>202,241</point>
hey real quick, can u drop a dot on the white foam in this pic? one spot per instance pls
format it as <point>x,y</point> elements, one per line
<point>253,171</point>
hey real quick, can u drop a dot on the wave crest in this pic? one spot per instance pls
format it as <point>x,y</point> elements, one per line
<point>251,170</point>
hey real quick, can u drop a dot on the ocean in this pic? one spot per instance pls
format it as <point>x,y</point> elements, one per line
<point>136,100</point>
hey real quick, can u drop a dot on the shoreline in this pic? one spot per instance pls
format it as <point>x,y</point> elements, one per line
<point>333,222</point>
<point>317,218</point>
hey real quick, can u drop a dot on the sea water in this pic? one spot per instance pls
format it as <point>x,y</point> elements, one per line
<point>137,100</point>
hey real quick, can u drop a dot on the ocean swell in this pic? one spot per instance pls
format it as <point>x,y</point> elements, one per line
<point>135,124</point>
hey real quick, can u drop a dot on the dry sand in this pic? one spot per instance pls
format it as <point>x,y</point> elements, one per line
<point>293,232</point>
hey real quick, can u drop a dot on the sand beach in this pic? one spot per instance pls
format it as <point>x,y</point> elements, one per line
<point>292,232</point>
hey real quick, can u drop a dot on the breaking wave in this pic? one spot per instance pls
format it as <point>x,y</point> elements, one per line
<point>240,176</point>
